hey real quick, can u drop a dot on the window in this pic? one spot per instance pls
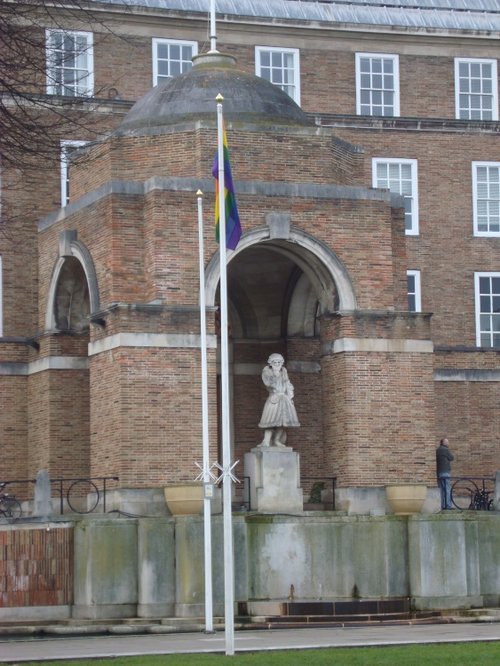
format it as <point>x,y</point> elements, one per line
<point>414,301</point>
<point>67,148</point>
<point>400,176</point>
<point>171,57</point>
<point>486,198</point>
<point>377,84</point>
<point>476,94</point>
<point>487,288</point>
<point>70,63</point>
<point>281,67</point>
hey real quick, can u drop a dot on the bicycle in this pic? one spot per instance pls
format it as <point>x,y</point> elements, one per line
<point>10,507</point>
<point>468,496</point>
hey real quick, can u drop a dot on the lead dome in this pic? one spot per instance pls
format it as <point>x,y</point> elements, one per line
<point>191,96</point>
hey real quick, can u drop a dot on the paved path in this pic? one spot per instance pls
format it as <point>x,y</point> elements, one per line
<point>25,649</point>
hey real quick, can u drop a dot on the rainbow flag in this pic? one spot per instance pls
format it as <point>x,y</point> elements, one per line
<point>233,225</point>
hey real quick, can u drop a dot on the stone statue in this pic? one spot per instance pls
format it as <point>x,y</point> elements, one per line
<point>279,411</point>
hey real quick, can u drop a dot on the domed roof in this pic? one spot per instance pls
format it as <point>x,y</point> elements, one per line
<point>191,96</point>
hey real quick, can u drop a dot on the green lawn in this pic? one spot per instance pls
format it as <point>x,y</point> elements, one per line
<point>454,654</point>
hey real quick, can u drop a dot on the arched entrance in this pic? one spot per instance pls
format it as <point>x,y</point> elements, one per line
<point>278,290</point>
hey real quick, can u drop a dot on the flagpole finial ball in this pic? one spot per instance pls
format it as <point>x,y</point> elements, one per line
<point>219,98</point>
<point>199,193</point>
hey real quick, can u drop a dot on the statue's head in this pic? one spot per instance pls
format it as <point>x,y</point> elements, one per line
<point>276,360</point>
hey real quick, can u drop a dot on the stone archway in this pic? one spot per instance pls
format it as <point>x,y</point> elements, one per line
<point>278,289</point>
<point>324,269</point>
<point>71,308</point>
<point>73,293</point>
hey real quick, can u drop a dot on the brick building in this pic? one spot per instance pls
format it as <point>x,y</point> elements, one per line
<point>370,203</point>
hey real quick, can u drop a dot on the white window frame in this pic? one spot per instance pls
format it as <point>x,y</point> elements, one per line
<point>169,42</point>
<point>65,199</point>
<point>395,73</point>
<point>295,53</point>
<point>490,201</point>
<point>415,274</point>
<point>477,298</point>
<point>494,88</point>
<point>413,230</point>
<point>87,81</point>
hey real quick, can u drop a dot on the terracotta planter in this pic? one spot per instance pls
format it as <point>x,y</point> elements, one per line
<point>184,499</point>
<point>406,498</point>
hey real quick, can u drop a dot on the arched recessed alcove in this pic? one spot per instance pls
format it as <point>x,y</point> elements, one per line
<point>281,283</point>
<point>272,296</point>
<point>73,293</point>
<point>71,298</point>
<point>278,289</point>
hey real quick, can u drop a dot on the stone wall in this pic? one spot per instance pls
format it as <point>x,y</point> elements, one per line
<point>153,567</point>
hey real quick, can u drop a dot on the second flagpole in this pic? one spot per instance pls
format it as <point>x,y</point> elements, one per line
<point>207,512</point>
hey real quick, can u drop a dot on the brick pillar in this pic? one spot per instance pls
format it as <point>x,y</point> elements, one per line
<point>378,398</point>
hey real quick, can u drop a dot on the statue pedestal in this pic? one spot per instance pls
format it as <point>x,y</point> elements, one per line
<point>274,475</point>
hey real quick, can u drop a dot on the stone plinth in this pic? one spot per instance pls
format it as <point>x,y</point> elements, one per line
<point>274,475</point>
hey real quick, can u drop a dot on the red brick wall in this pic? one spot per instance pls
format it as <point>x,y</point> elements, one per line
<point>36,567</point>
<point>379,418</point>
<point>445,216</point>
<point>59,423</point>
<point>146,415</point>
<point>13,428</point>
<point>378,407</point>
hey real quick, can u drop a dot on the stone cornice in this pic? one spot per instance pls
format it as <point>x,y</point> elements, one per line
<point>441,125</point>
<point>158,340</point>
<point>377,345</point>
<point>249,187</point>
<point>43,364</point>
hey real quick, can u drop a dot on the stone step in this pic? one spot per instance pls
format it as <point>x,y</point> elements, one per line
<point>290,621</point>
<point>478,614</point>
<point>195,624</point>
<point>346,607</point>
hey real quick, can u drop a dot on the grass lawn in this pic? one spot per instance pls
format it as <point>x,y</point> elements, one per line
<point>453,654</point>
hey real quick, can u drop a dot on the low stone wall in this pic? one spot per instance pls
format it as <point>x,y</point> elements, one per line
<point>153,567</point>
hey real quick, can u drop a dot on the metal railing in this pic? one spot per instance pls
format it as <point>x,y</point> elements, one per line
<point>242,500</point>
<point>80,494</point>
<point>473,493</point>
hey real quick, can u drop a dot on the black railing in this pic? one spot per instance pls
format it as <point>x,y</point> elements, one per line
<point>473,493</point>
<point>319,490</point>
<point>81,494</point>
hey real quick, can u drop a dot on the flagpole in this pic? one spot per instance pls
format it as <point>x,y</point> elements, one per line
<point>207,512</point>
<point>213,34</point>
<point>226,440</point>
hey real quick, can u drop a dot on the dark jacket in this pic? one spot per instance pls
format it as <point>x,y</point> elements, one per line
<point>443,459</point>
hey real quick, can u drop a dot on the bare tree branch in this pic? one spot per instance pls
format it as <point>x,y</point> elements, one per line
<point>43,49</point>
<point>31,121</point>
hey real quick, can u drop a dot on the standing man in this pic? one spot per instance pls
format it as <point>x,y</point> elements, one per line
<point>443,467</point>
